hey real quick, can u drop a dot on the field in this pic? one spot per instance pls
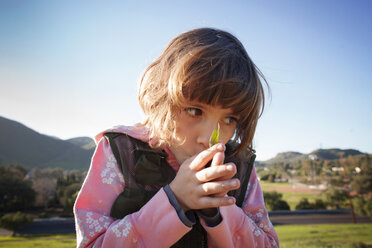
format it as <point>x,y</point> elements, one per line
<point>40,241</point>
<point>329,236</point>
<point>290,236</point>
<point>302,236</point>
<point>291,194</point>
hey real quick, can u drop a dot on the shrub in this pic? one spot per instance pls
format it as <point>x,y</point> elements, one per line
<point>359,245</point>
<point>320,204</point>
<point>304,204</point>
<point>273,201</point>
<point>281,205</point>
<point>15,221</point>
<point>45,214</point>
<point>336,197</point>
<point>69,196</point>
<point>362,184</point>
<point>15,192</point>
<point>363,206</point>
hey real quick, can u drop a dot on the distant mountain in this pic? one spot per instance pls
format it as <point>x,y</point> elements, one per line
<point>285,156</point>
<point>83,142</point>
<point>322,154</point>
<point>22,145</point>
<point>334,153</point>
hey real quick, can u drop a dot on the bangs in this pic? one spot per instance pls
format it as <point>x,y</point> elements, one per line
<point>229,94</point>
<point>218,78</point>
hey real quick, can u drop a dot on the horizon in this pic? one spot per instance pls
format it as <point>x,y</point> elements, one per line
<point>312,151</point>
<point>70,69</point>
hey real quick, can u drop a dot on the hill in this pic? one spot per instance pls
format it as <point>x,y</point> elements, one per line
<point>22,145</point>
<point>334,153</point>
<point>285,156</point>
<point>321,154</point>
<point>83,142</point>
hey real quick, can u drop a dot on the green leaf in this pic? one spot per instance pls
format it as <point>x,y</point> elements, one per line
<point>215,136</point>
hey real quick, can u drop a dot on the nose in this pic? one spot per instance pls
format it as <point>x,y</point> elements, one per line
<point>205,132</point>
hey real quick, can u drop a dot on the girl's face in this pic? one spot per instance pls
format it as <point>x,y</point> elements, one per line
<point>195,124</point>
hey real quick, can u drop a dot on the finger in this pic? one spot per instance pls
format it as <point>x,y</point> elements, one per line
<point>227,176</point>
<point>202,158</point>
<point>218,158</point>
<point>214,202</point>
<point>216,188</point>
<point>220,194</point>
<point>222,172</point>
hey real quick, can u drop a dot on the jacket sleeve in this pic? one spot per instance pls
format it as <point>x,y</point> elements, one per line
<point>248,226</point>
<point>149,227</point>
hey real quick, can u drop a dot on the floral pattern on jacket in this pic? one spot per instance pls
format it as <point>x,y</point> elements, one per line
<point>248,226</point>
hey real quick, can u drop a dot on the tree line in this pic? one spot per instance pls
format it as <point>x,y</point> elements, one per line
<point>41,193</point>
<point>345,179</point>
<point>38,189</point>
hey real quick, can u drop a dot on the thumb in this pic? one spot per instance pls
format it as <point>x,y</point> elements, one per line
<point>218,159</point>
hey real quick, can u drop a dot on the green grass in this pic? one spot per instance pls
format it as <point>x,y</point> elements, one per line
<point>291,236</point>
<point>292,198</point>
<point>330,236</point>
<point>39,241</point>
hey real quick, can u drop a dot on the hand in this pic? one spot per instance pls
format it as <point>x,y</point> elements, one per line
<point>196,187</point>
<point>218,159</point>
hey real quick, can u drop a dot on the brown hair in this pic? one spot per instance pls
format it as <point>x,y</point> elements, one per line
<point>209,66</point>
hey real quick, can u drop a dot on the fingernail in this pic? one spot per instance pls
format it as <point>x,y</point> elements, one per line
<point>221,146</point>
<point>229,167</point>
<point>234,183</point>
<point>231,200</point>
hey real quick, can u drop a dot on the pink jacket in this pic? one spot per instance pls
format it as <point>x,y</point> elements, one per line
<point>157,224</point>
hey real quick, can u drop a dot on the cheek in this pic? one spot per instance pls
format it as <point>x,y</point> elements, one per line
<point>184,126</point>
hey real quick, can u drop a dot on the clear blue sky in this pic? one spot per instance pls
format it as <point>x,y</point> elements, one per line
<point>71,68</point>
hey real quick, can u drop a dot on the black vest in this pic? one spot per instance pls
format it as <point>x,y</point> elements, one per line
<point>146,170</point>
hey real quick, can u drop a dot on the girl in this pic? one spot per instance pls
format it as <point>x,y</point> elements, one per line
<point>160,184</point>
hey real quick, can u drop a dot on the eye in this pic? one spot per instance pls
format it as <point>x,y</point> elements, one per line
<point>230,120</point>
<point>194,111</point>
